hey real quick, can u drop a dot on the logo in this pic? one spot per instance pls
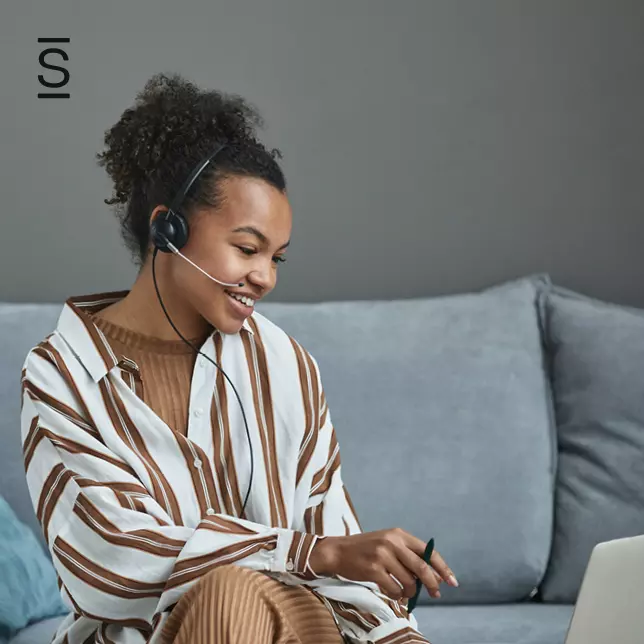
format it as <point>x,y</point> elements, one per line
<point>50,51</point>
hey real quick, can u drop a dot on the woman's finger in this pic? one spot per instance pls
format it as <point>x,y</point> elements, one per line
<point>416,566</point>
<point>445,572</point>
<point>402,576</point>
<point>437,562</point>
<point>389,585</point>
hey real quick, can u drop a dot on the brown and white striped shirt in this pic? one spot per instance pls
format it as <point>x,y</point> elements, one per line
<point>134,513</point>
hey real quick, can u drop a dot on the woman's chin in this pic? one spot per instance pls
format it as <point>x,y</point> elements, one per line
<point>224,323</point>
<point>230,327</point>
<point>224,315</point>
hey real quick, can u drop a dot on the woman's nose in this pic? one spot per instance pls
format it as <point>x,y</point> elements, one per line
<point>264,278</point>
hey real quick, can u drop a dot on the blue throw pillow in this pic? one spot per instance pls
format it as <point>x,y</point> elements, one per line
<point>28,588</point>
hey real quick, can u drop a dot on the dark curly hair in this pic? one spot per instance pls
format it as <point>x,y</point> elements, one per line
<point>154,146</point>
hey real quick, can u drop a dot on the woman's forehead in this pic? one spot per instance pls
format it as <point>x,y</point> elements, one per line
<point>250,203</point>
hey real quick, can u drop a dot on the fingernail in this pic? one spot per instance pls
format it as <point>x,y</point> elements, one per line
<point>453,581</point>
<point>437,595</point>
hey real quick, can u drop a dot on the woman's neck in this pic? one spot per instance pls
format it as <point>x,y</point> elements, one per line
<point>141,312</point>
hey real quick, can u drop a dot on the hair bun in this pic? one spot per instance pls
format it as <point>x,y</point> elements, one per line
<point>172,116</point>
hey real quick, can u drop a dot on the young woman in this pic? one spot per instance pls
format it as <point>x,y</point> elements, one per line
<point>178,445</point>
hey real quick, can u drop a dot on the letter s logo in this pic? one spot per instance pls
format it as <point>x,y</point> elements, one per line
<point>48,65</point>
<point>43,63</point>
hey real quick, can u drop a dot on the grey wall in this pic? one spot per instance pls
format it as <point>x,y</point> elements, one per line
<point>430,146</point>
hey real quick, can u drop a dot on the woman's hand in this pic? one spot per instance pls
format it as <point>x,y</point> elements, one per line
<point>382,557</point>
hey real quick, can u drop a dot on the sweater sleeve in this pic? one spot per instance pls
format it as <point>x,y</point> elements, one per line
<point>119,555</point>
<point>364,613</point>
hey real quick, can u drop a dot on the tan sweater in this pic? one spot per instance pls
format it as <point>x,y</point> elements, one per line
<point>165,367</point>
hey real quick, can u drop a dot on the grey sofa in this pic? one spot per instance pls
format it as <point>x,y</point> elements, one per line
<point>507,424</point>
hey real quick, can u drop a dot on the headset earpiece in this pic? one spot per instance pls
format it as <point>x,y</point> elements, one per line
<point>171,227</point>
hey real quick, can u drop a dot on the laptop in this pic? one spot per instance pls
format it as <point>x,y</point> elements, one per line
<point>610,606</point>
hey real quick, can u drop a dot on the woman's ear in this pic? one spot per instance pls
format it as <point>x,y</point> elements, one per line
<point>157,211</point>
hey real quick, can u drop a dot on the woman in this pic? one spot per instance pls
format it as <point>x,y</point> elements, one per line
<point>178,446</point>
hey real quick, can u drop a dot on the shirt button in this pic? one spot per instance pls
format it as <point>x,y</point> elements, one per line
<point>197,412</point>
<point>210,512</point>
<point>202,362</point>
<point>197,463</point>
<point>290,565</point>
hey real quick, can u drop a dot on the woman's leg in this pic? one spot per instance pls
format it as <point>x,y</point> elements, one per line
<point>236,605</point>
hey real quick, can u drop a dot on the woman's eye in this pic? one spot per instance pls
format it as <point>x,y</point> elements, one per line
<point>251,251</point>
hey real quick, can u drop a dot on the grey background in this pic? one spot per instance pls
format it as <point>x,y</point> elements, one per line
<point>430,147</point>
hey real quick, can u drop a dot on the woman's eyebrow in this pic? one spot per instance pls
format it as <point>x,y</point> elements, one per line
<point>258,233</point>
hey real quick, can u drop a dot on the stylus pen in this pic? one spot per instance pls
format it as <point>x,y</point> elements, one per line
<point>429,549</point>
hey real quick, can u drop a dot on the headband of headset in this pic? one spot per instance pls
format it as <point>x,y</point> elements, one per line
<point>171,226</point>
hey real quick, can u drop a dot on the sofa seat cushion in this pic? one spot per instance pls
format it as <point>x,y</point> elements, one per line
<point>524,623</point>
<point>39,633</point>
<point>498,624</point>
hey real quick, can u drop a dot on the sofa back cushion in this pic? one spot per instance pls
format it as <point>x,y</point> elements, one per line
<point>443,418</point>
<point>596,353</point>
<point>22,326</point>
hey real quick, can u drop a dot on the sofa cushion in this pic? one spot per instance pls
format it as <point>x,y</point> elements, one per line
<point>596,352</point>
<point>28,590</point>
<point>39,633</point>
<point>442,414</point>
<point>22,326</point>
<point>525,623</point>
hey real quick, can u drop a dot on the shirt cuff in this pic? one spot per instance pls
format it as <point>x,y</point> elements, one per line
<point>293,552</point>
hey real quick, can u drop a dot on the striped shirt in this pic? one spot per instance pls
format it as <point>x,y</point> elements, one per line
<point>135,513</point>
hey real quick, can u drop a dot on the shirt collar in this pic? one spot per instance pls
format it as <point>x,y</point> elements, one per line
<point>86,340</point>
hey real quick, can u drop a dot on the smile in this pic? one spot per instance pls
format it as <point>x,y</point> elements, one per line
<point>245,300</point>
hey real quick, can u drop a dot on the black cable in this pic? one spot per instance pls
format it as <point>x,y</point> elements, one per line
<point>250,444</point>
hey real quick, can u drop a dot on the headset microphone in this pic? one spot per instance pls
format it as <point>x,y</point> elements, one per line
<point>176,251</point>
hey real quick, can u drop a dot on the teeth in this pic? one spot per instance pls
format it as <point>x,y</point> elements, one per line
<point>243,299</point>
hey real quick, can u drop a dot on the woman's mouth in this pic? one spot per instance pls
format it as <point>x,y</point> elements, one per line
<point>241,304</point>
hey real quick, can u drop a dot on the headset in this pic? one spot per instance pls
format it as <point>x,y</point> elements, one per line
<point>169,233</point>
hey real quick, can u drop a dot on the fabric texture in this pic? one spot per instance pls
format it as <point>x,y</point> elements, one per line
<point>443,405</point>
<point>135,513</point>
<point>521,623</point>
<point>28,590</point>
<point>596,350</point>
<point>233,604</point>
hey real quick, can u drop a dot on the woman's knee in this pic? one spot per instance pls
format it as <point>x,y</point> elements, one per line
<point>230,578</point>
<point>221,603</point>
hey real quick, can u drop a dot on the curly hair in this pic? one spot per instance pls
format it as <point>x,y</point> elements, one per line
<point>154,146</point>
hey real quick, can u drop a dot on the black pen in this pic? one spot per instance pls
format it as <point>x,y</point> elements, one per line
<point>429,549</point>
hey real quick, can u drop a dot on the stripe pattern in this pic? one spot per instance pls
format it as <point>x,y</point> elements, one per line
<point>135,514</point>
<point>281,614</point>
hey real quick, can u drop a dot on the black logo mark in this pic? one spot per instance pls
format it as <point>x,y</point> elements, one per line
<point>43,63</point>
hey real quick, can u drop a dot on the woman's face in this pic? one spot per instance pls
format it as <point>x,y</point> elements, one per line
<point>244,240</point>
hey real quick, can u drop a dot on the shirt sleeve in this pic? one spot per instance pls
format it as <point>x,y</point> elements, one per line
<point>364,613</point>
<point>118,554</point>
